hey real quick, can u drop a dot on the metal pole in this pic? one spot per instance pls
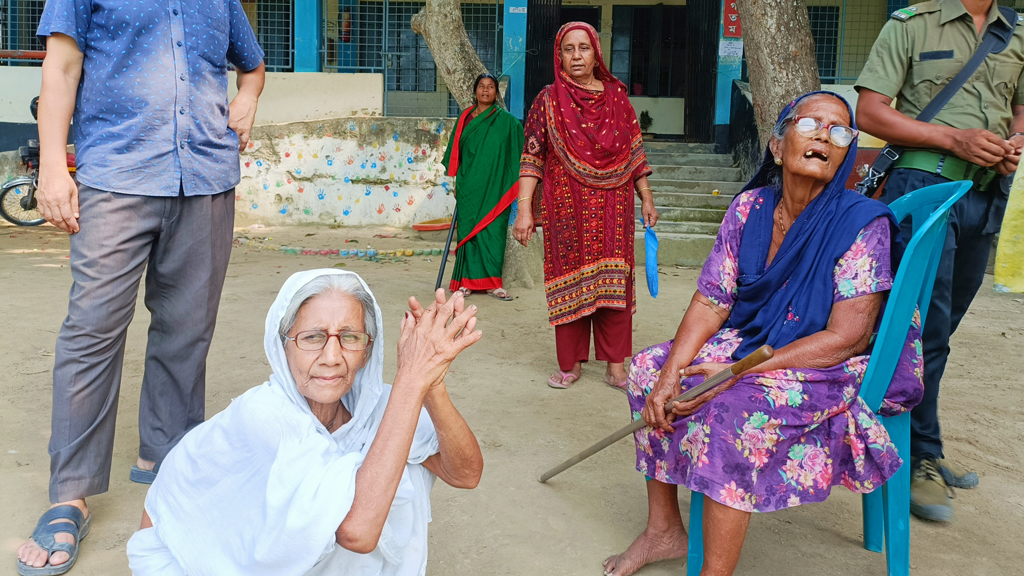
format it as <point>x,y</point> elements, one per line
<point>447,247</point>
<point>842,38</point>
<point>384,56</point>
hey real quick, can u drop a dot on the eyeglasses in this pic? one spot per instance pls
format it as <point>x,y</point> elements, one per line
<point>841,136</point>
<point>315,340</point>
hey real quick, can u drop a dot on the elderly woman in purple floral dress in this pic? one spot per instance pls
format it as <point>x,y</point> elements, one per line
<point>803,265</point>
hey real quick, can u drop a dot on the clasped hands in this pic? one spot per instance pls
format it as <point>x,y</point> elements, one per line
<point>431,338</point>
<point>654,411</point>
<point>985,149</point>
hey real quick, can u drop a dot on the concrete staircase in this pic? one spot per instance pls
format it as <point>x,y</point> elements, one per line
<point>685,179</point>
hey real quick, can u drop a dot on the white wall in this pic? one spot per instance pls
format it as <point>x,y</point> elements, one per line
<point>287,97</point>
<point>349,171</point>
<point>667,113</point>
<point>18,86</point>
<point>308,96</point>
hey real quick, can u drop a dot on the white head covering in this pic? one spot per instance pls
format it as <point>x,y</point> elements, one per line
<point>261,488</point>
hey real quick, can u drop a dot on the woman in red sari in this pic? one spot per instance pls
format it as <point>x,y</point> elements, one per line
<point>583,141</point>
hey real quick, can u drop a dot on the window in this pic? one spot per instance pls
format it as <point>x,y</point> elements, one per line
<point>483,25</point>
<point>19,20</point>
<point>272,20</point>
<point>825,29</point>
<point>649,49</point>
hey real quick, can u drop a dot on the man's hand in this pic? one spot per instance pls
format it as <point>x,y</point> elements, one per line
<point>243,108</point>
<point>57,197</point>
<point>1008,165</point>
<point>980,147</point>
<point>57,194</point>
<point>241,118</point>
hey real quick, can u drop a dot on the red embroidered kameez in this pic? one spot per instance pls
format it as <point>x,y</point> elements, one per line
<point>585,146</point>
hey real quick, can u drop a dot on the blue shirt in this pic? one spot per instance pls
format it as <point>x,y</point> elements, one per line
<point>151,116</point>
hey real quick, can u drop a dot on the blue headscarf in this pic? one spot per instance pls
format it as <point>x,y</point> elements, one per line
<point>792,298</point>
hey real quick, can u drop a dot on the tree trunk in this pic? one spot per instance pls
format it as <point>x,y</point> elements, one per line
<point>440,24</point>
<point>780,56</point>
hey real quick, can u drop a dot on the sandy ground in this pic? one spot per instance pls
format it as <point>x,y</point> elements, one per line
<point>511,524</point>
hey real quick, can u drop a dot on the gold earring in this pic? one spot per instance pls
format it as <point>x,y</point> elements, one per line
<point>778,161</point>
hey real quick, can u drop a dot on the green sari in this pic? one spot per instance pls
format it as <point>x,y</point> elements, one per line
<point>483,155</point>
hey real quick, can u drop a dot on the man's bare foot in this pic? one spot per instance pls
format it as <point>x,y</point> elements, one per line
<point>145,465</point>
<point>648,547</point>
<point>615,376</point>
<point>35,556</point>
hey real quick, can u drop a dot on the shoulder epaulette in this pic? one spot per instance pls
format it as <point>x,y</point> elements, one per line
<point>904,14</point>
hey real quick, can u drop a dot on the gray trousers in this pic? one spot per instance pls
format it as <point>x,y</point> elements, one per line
<point>183,244</point>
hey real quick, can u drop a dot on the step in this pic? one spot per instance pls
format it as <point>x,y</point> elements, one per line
<point>701,173</point>
<point>675,214</point>
<point>668,226</point>
<point>679,147</point>
<point>688,200</point>
<point>695,186</point>
<point>676,249</point>
<point>673,159</point>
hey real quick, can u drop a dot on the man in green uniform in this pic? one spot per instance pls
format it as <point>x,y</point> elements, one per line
<point>977,136</point>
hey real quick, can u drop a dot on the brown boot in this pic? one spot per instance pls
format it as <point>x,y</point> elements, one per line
<point>930,497</point>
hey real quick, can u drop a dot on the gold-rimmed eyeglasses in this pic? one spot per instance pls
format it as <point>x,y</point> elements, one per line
<point>315,340</point>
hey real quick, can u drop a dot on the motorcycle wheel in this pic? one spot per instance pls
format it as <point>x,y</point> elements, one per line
<point>15,206</point>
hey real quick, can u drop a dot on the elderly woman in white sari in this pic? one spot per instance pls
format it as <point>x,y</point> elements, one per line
<point>292,478</point>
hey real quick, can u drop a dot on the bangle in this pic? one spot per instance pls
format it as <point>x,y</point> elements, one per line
<point>527,199</point>
<point>645,188</point>
<point>1015,134</point>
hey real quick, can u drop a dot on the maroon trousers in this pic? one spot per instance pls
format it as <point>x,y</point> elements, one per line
<point>613,335</point>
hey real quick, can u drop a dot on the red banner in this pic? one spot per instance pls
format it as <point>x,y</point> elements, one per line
<point>731,20</point>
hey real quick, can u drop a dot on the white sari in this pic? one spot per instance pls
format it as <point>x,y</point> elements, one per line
<point>261,488</point>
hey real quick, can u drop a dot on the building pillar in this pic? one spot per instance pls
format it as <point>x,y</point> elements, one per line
<point>513,55</point>
<point>730,68</point>
<point>308,35</point>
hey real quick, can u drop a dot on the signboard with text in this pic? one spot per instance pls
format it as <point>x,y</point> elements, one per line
<point>731,20</point>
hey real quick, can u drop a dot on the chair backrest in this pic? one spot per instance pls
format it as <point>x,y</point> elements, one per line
<point>918,206</point>
<point>913,285</point>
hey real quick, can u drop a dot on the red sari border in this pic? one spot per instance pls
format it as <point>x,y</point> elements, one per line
<point>500,207</point>
<point>476,284</point>
<point>453,168</point>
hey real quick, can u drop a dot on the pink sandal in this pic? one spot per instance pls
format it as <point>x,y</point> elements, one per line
<point>562,380</point>
<point>621,387</point>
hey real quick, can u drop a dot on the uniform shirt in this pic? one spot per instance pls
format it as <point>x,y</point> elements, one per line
<point>151,115</point>
<point>913,59</point>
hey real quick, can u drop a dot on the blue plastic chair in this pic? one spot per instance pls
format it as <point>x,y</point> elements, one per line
<point>886,511</point>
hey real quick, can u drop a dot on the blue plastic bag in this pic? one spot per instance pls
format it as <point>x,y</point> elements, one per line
<point>651,264</point>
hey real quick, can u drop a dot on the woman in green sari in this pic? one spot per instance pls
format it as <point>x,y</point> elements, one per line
<point>483,156</point>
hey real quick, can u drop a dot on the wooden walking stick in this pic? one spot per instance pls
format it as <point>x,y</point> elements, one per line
<point>447,246</point>
<point>753,359</point>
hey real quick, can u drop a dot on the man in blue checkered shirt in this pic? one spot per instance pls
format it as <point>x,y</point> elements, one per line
<point>157,142</point>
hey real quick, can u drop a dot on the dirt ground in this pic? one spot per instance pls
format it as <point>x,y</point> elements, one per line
<point>511,524</point>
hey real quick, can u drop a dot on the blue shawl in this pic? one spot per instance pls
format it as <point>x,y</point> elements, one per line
<point>792,298</point>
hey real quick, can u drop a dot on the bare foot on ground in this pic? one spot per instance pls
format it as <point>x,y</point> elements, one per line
<point>33,555</point>
<point>645,549</point>
<point>615,376</point>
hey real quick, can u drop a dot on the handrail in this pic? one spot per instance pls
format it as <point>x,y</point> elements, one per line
<point>22,54</point>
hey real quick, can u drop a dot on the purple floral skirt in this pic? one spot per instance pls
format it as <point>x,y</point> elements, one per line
<point>774,440</point>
